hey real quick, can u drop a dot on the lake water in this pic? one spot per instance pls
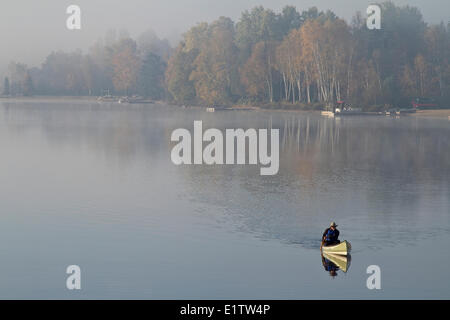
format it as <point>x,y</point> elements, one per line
<point>93,185</point>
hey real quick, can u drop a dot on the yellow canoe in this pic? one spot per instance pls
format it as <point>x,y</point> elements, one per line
<point>342,248</point>
<point>343,262</point>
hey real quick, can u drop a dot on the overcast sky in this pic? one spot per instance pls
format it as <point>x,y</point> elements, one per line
<point>30,29</point>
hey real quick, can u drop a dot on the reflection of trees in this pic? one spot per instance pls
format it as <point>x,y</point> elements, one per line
<point>402,147</point>
<point>110,131</point>
<point>388,173</point>
<point>359,171</point>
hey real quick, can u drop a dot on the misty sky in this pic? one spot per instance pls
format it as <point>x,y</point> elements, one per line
<point>29,29</point>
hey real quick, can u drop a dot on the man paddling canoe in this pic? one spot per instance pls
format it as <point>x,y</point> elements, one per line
<point>330,236</point>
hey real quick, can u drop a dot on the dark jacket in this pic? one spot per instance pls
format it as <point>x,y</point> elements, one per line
<point>331,236</point>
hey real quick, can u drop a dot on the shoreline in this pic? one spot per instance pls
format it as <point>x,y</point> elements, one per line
<point>435,113</point>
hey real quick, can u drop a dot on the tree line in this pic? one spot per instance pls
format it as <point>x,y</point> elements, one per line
<point>308,59</point>
<point>115,64</point>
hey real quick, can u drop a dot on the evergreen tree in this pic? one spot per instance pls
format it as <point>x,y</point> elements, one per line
<point>151,77</point>
<point>6,90</point>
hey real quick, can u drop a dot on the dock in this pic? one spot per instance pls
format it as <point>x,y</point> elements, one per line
<point>214,109</point>
<point>332,114</point>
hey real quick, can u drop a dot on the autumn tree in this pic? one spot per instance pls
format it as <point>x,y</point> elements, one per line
<point>179,68</point>
<point>255,26</point>
<point>326,47</point>
<point>215,74</point>
<point>437,40</point>
<point>125,64</point>
<point>256,74</point>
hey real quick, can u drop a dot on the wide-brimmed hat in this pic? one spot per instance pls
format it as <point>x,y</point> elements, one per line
<point>333,224</point>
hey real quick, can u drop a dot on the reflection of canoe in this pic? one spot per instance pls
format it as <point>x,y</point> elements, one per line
<point>342,248</point>
<point>343,262</point>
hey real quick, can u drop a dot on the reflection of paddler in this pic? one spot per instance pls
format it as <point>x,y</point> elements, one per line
<point>330,266</point>
<point>342,262</point>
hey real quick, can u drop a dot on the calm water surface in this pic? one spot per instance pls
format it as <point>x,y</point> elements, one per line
<point>93,185</point>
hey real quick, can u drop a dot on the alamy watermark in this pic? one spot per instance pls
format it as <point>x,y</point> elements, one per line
<point>373,17</point>
<point>235,139</point>
<point>73,22</point>
<point>374,280</point>
<point>73,281</point>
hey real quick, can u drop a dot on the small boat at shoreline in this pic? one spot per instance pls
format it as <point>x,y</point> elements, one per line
<point>107,98</point>
<point>342,248</point>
